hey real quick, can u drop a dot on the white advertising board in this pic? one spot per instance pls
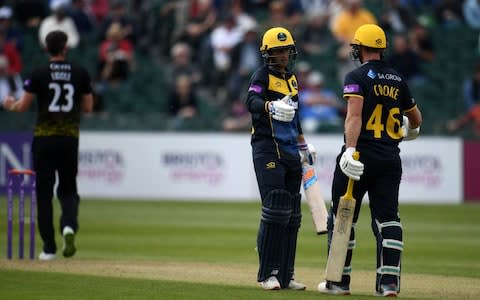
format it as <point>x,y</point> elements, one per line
<point>219,167</point>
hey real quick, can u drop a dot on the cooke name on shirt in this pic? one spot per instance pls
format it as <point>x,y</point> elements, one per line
<point>60,72</point>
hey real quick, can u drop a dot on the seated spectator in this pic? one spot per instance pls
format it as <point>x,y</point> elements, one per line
<point>84,22</point>
<point>29,13</point>
<point>201,20</point>
<point>11,53</point>
<point>344,26</point>
<point>182,101</point>
<point>422,43</point>
<point>10,84</point>
<point>238,118</point>
<point>396,17</point>
<point>316,37</point>
<point>283,13</point>
<point>471,97</point>
<point>403,59</point>
<point>472,115</point>
<point>448,13</point>
<point>319,106</point>
<point>223,39</point>
<point>99,9</point>
<point>471,88</point>
<point>302,70</point>
<point>180,63</point>
<point>471,13</point>
<point>119,14</point>
<point>245,60</point>
<point>115,56</point>
<point>59,20</point>
<point>13,34</point>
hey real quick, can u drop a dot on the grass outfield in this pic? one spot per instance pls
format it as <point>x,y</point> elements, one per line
<point>205,250</point>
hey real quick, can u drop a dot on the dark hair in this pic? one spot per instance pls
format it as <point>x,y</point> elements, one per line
<point>56,41</point>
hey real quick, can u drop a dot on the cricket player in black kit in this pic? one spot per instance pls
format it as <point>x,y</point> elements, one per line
<point>381,112</point>
<point>278,147</point>
<point>63,90</point>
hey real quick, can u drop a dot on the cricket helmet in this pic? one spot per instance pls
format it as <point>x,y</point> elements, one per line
<point>277,38</point>
<point>370,35</point>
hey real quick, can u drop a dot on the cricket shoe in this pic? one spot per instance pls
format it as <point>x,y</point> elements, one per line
<point>387,290</point>
<point>68,242</point>
<point>297,286</point>
<point>46,256</point>
<point>271,283</point>
<point>332,289</point>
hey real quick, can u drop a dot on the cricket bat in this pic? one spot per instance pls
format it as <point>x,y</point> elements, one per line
<point>341,233</point>
<point>315,200</point>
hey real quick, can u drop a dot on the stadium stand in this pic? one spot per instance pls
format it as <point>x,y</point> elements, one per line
<point>140,102</point>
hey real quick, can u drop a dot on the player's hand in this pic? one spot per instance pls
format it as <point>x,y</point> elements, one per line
<point>281,110</point>
<point>308,153</point>
<point>8,102</point>
<point>349,166</point>
<point>409,133</point>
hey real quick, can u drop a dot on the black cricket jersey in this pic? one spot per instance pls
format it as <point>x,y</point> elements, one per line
<point>268,134</point>
<point>386,97</point>
<point>59,87</point>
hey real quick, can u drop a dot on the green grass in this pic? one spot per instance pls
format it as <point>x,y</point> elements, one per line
<point>440,240</point>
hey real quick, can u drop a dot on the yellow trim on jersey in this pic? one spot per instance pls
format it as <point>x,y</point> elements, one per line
<point>283,86</point>
<point>352,95</point>
<point>266,106</point>
<point>410,109</point>
<point>273,135</point>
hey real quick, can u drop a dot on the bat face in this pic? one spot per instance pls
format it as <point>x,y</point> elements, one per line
<point>344,214</point>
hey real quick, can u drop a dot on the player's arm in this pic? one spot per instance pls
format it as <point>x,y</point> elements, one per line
<point>87,103</point>
<point>353,121</point>
<point>414,117</point>
<point>22,105</point>
<point>353,125</point>
<point>256,102</point>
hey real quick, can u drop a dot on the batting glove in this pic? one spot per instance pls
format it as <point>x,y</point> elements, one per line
<point>409,133</point>
<point>281,111</point>
<point>308,153</point>
<point>349,166</point>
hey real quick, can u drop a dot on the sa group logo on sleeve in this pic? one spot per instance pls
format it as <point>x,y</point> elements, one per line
<point>371,74</point>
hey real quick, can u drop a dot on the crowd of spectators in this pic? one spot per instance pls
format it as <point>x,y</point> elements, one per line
<point>206,50</point>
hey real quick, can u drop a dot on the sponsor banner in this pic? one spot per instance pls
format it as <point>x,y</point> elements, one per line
<point>471,161</point>
<point>432,170</point>
<point>166,166</point>
<point>15,152</point>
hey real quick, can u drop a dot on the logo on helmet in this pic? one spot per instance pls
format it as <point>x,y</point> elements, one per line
<point>379,42</point>
<point>282,36</point>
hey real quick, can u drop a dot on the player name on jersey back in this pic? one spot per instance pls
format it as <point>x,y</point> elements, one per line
<point>60,72</point>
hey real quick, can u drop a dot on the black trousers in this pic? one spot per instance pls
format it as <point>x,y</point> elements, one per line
<point>55,155</point>
<point>277,174</point>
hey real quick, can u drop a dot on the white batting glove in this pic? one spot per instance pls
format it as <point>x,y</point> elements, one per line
<point>281,111</point>
<point>409,133</point>
<point>349,166</point>
<point>308,153</point>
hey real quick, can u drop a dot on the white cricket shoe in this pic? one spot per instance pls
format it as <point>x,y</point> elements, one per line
<point>297,286</point>
<point>68,242</point>
<point>46,256</point>
<point>333,289</point>
<point>271,283</point>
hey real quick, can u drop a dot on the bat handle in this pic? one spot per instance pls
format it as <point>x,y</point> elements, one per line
<point>349,192</point>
